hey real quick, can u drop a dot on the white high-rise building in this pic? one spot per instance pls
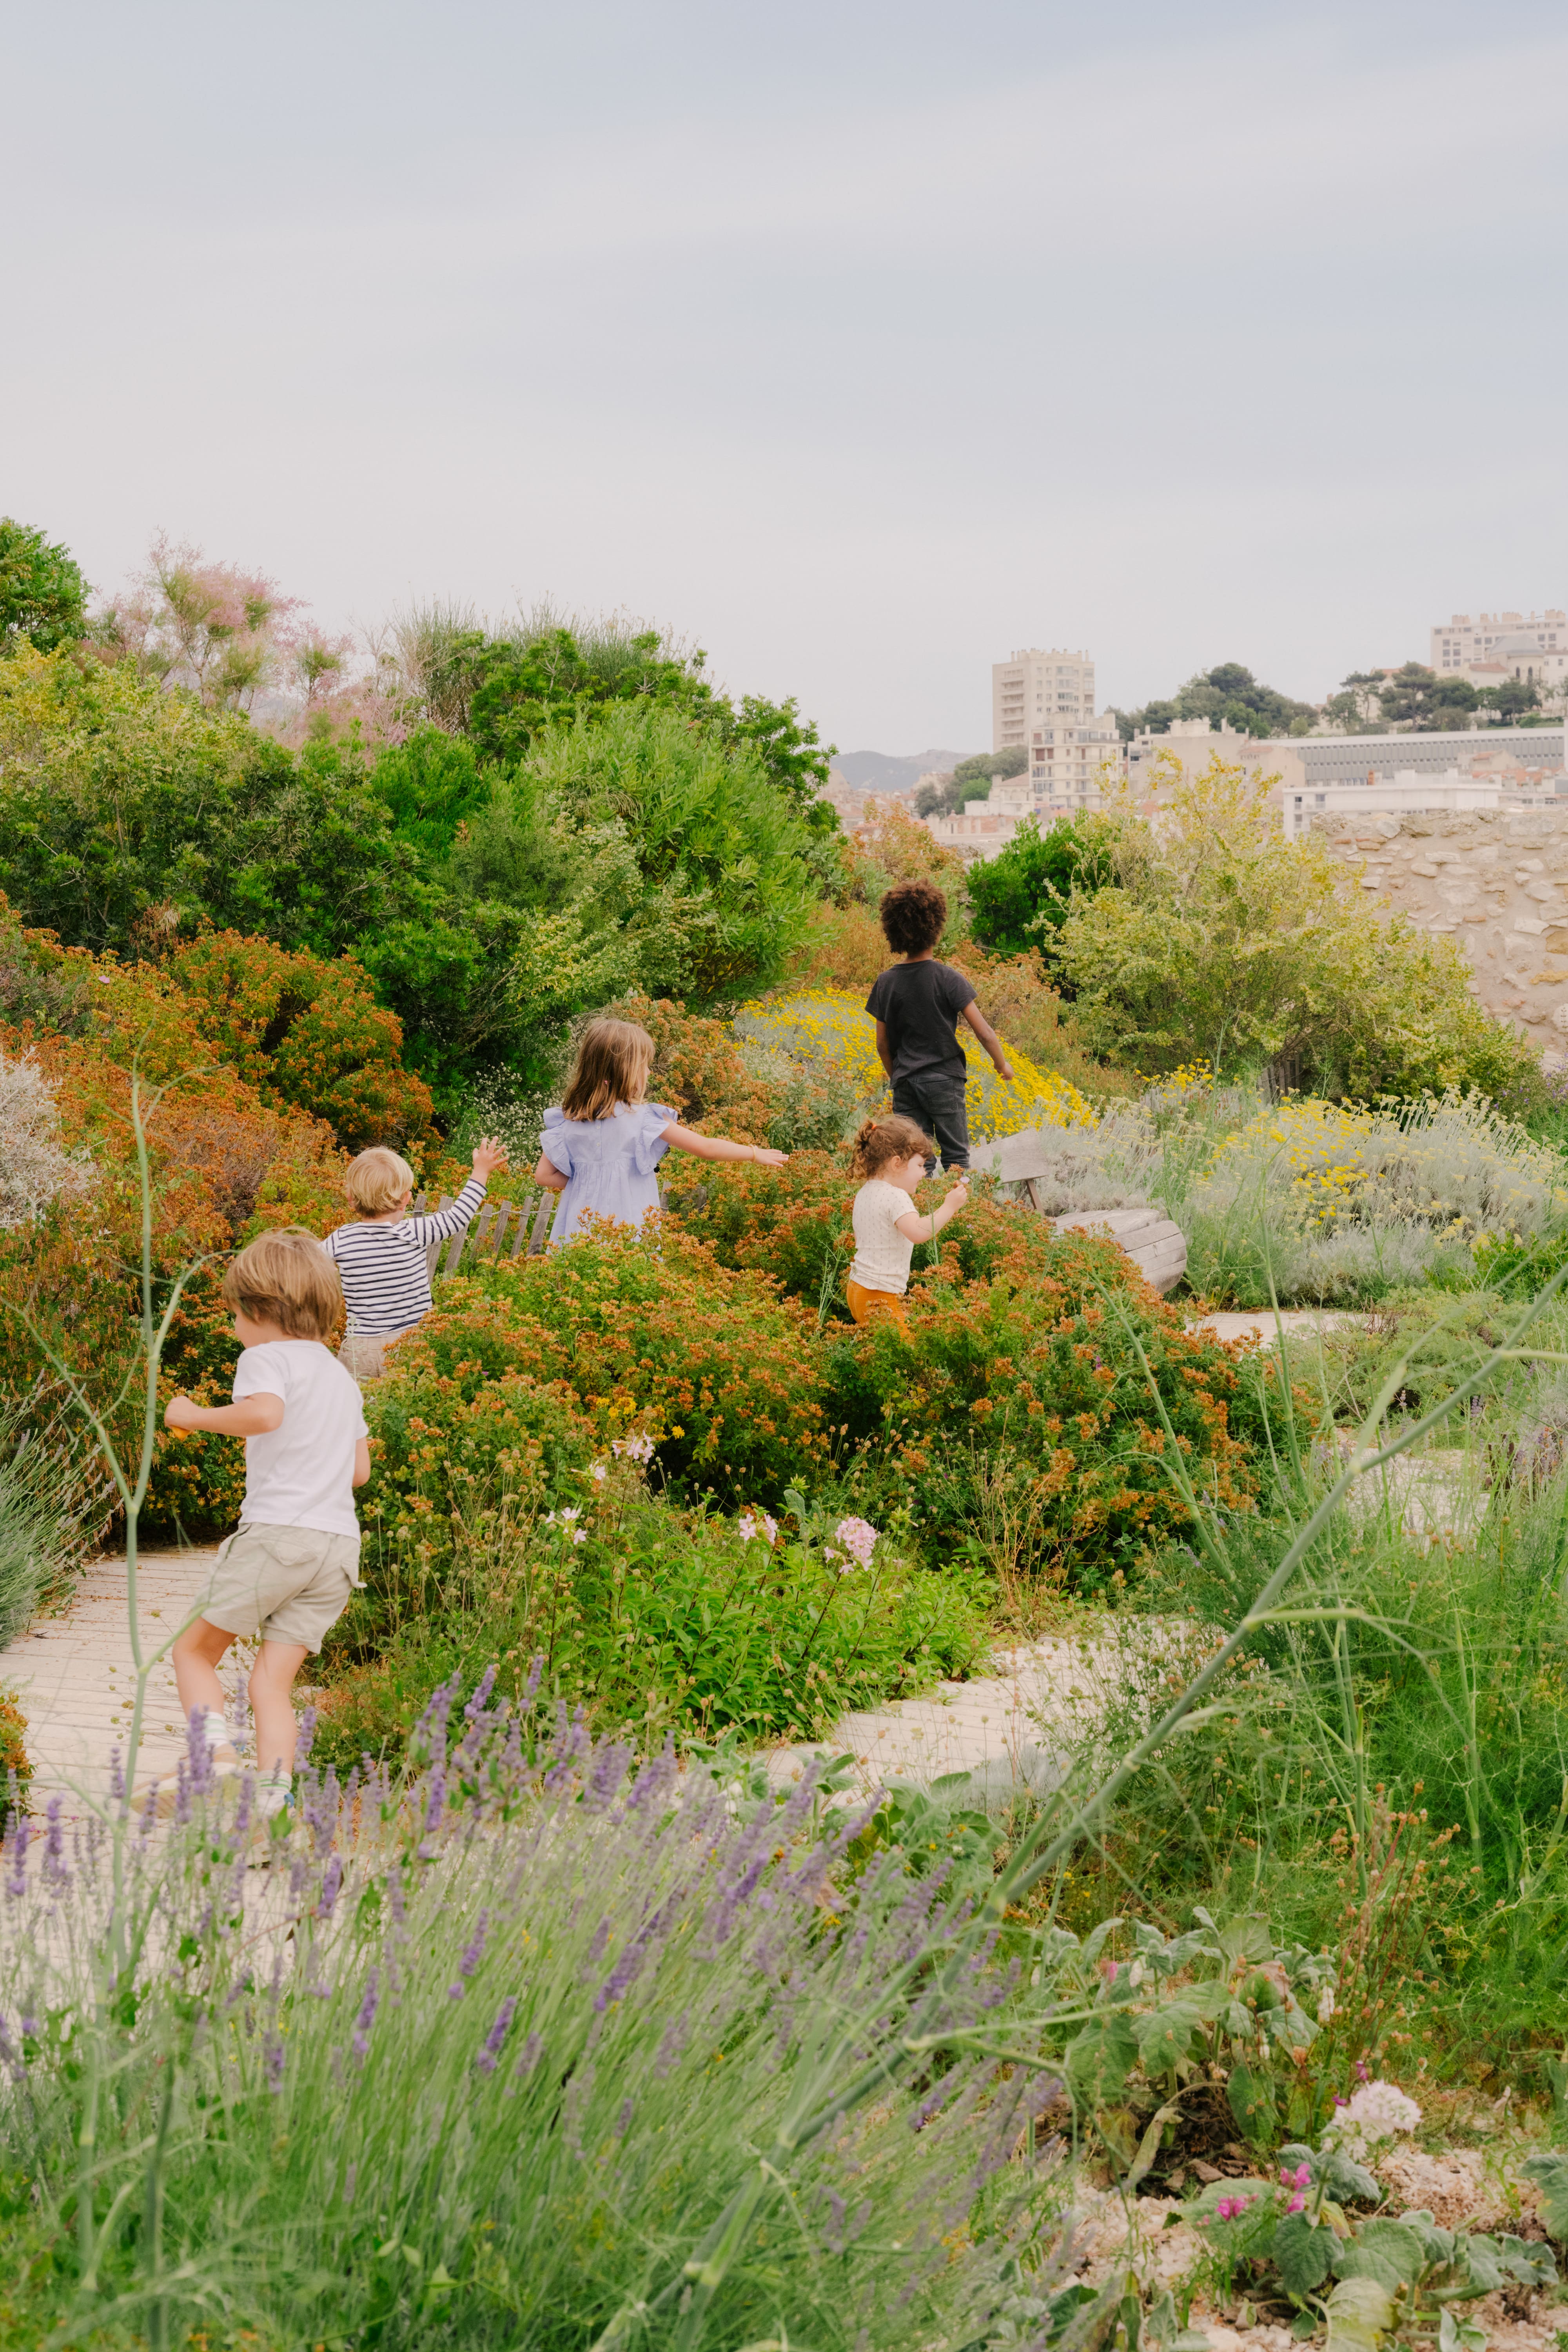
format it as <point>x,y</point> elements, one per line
<point>1037,688</point>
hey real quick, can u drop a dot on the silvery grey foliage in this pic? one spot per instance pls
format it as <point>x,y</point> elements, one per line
<point>36,1168</point>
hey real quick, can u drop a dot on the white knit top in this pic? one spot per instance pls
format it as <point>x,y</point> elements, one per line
<point>882,1253</point>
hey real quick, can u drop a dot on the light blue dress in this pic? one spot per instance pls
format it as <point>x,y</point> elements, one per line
<point>609,1164</point>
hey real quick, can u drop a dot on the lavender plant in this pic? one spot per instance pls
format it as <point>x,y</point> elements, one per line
<point>541,2046</point>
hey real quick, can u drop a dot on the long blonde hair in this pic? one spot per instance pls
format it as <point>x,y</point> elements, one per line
<point>614,1058</point>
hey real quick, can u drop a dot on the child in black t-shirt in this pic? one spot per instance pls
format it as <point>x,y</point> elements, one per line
<point>917,1005</point>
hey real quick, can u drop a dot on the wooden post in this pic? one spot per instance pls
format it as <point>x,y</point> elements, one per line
<point>520,1242</point>
<point>433,1251</point>
<point>541,1223</point>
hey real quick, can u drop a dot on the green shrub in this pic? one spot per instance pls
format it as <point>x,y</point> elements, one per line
<point>652,1616</point>
<point>1019,899</point>
<point>1020,1370</point>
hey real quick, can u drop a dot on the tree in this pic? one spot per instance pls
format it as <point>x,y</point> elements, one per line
<point>1416,698</point>
<point>1019,899</point>
<point>971,780</point>
<point>221,633</point>
<point>1222,942</point>
<point>1514,697</point>
<point>1230,693</point>
<point>43,596</point>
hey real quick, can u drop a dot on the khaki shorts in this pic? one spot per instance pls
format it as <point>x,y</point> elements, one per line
<point>365,1357</point>
<point>288,1584</point>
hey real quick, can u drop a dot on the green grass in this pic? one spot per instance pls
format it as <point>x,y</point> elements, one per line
<point>1408,1705</point>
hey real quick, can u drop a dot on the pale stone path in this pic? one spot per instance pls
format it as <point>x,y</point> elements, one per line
<point>75,1680</point>
<point>996,1726</point>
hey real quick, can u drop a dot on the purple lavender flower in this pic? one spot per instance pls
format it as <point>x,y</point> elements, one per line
<point>272,2064</point>
<point>654,1782</point>
<point>306,1739</point>
<point>332,1880</point>
<point>19,1831</point>
<point>482,1697</point>
<point>490,2053</point>
<point>623,2120</point>
<point>676,2034</point>
<point>473,1954</point>
<point>56,1875</point>
<point>535,1677</point>
<point>366,2017</point>
<point>610,1761</point>
<point>529,2058</point>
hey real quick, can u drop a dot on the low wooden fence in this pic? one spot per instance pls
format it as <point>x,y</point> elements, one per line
<point>502,1229</point>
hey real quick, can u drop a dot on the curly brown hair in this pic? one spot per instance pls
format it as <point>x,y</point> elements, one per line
<point>914,916</point>
<point>881,1139</point>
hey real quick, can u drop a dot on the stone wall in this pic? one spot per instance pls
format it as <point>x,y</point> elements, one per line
<point>1494,880</point>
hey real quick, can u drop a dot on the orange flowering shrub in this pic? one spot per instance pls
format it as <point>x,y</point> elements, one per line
<point>699,1070</point>
<point>721,1368</point>
<point>1026,1359</point>
<point>790,1224</point>
<point>305,1032</point>
<point>15,1767</point>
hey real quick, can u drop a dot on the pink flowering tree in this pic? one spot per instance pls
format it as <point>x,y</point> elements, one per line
<point>221,632</point>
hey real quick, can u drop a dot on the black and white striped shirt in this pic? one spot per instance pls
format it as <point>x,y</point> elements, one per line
<point>382,1267</point>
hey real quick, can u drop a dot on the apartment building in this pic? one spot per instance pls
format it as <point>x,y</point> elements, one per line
<point>1494,646</point>
<point>1036,688</point>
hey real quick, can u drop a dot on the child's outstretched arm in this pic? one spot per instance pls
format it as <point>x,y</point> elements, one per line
<point>924,1225</point>
<point>718,1147</point>
<point>989,1039</point>
<point>253,1416</point>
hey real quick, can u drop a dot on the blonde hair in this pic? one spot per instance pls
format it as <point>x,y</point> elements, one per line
<point>377,1181</point>
<point>286,1277</point>
<point>614,1058</point>
<point>881,1139</point>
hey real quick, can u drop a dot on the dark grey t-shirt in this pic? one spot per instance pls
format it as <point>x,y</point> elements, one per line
<point>921,1003</point>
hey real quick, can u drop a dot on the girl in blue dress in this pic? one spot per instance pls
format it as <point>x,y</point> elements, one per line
<point>602,1147</point>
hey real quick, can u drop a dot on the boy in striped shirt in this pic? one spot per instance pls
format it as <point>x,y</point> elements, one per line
<point>381,1257</point>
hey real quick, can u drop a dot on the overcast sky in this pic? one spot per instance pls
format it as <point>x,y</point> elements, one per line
<point>858,343</point>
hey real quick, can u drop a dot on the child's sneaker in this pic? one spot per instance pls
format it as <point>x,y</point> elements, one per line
<point>161,1797</point>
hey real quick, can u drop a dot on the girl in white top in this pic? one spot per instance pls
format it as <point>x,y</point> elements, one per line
<point>603,1144</point>
<point>891,1154</point>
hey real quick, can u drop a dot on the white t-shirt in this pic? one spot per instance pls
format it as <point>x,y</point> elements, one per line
<point>301,1473</point>
<point>882,1253</point>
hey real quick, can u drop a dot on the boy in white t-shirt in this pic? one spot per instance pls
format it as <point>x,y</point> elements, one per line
<point>891,1154</point>
<point>287,1571</point>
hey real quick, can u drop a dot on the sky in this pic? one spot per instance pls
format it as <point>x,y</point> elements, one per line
<point>855,344</point>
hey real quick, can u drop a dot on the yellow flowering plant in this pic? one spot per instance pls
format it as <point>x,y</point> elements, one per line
<point>830,1026</point>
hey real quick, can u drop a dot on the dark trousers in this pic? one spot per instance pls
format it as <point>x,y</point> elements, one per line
<point>935,1101</point>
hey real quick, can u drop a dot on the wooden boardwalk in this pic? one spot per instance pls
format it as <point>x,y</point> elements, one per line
<point>74,1678</point>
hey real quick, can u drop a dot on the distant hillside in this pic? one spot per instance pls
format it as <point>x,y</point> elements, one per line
<point>885,771</point>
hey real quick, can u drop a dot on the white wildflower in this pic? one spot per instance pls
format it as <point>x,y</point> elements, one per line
<point>1378,2111</point>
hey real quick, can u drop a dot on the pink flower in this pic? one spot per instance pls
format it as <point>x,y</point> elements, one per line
<point>1231,2209</point>
<point>1300,2178</point>
<point>756,1523</point>
<point>858,1539</point>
